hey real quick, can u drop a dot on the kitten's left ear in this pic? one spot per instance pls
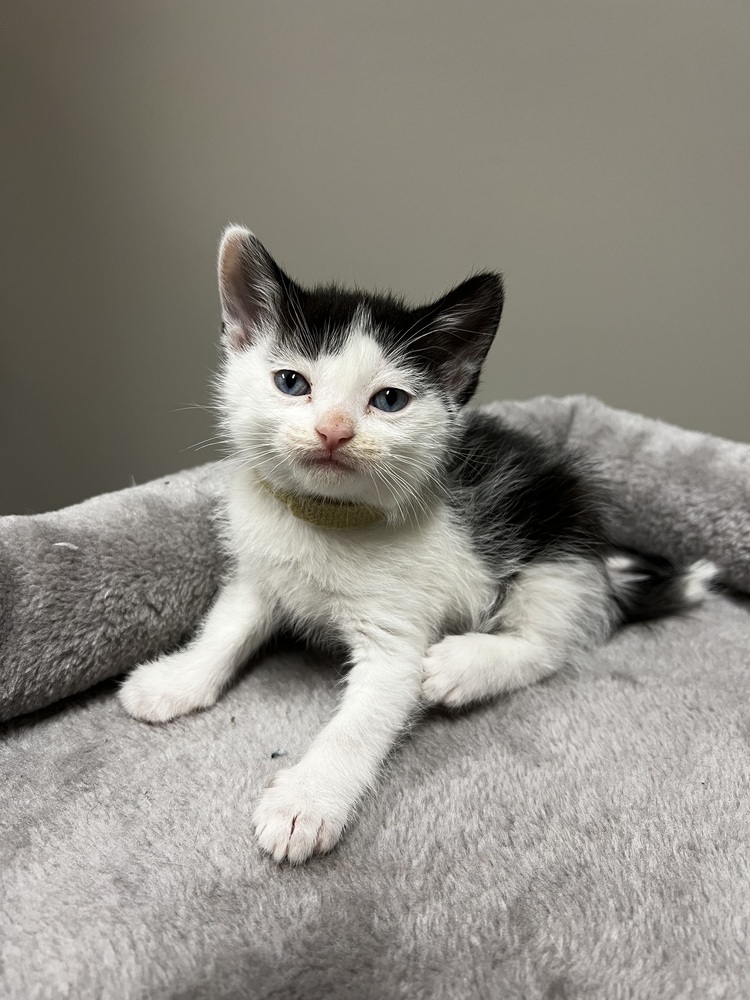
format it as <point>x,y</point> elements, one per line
<point>250,284</point>
<point>459,330</point>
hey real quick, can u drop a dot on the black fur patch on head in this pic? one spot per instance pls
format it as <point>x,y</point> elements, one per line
<point>446,340</point>
<point>318,320</point>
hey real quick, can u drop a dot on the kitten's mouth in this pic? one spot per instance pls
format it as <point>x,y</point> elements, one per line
<point>324,460</point>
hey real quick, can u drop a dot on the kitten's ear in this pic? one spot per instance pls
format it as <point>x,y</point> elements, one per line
<point>250,285</point>
<point>460,329</point>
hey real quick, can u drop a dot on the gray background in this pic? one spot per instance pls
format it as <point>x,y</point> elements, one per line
<point>596,152</point>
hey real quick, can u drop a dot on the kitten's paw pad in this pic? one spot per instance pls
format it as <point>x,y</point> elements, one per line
<point>451,675</point>
<point>295,820</point>
<point>164,690</point>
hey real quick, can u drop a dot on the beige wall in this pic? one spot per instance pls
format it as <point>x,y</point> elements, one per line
<point>597,152</point>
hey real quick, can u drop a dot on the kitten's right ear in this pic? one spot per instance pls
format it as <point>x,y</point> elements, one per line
<point>250,286</point>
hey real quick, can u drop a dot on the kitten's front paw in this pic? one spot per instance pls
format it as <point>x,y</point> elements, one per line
<point>298,816</point>
<point>452,671</point>
<point>172,686</point>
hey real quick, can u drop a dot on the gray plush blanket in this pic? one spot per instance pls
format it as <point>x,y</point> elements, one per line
<point>585,838</point>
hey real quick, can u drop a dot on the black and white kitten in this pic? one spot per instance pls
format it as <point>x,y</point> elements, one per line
<point>457,559</point>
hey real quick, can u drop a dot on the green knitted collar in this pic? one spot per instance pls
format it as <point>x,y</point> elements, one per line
<point>325,513</point>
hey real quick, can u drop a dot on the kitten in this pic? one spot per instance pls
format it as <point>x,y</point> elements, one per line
<point>457,559</point>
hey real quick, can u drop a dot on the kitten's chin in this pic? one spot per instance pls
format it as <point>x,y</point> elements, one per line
<point>330,477</point>
<point>336,464</point>
<point>341,476</point>
<point>334,481</point>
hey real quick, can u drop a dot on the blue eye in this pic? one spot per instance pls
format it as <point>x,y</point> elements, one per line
<point>292,383</point>
<point>390,400</point>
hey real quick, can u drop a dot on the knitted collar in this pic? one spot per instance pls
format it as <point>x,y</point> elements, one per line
<point>325,513</point>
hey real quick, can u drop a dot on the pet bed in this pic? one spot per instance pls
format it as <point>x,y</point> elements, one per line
<point>584,838</point>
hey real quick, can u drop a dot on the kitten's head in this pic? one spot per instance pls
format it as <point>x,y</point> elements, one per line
<point>344,394</point>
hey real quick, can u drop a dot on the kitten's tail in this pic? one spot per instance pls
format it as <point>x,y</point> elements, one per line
<point>647,587</point>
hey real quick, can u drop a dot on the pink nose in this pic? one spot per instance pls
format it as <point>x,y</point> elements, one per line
<point>332,435</point>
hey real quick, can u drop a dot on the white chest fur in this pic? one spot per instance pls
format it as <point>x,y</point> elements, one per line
<point>412,579</point>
